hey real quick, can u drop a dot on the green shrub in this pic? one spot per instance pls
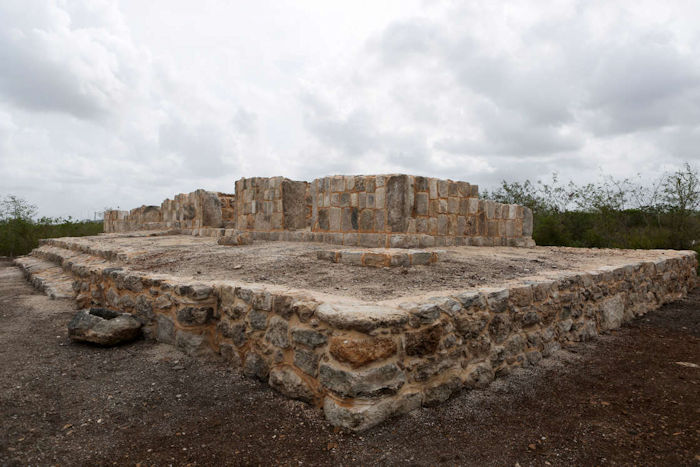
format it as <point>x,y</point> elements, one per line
<point>20,234</point>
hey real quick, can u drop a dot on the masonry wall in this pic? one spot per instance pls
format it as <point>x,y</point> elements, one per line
<point>399,211</point>
<point>272,204</point>
<point>402,210</point>
<point>194,210</point>
<point>365,362</point>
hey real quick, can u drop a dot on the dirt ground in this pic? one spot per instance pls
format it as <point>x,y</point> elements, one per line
<point>621,400</point>
<point>294,264</point>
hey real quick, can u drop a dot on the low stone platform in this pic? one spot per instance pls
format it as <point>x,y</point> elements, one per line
<point>381,258</point>
<point>366,344</point>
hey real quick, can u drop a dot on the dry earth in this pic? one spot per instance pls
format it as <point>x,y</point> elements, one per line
<point>621,400</point>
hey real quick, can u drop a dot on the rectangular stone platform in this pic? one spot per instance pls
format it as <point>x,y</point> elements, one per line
<point>368,343</point>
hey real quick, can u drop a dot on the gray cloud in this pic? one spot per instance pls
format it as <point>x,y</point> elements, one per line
<point>100,105</point>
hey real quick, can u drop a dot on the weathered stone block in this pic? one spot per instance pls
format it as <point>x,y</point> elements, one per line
<point>360,352</point>
<point>255,366</point>
<point>398,208</point>
<point>306,361</point>
<point>374,382</point>
<point>423,342</point>
<point>288,382</point>
<point>277,332</point>
<point>194,316</point>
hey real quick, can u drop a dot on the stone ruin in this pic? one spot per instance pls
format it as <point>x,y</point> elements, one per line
<point>361,360</point>
<point>375,211</point>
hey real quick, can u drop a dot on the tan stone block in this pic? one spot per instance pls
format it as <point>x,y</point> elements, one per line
<point>452,224</point>
<point>463,206</point>
<point>461,226</point>
<point>354,200</point>
<point>379,198</point>
<point>411,225</point>
<point>442,224</point>
<point>362,200</point>
<point>335,199</point>
<point>370,200</point>
<point>334,217</point>
<point>350,239</point>
<point>433,207</point>
<point>376,260</point>
<point>338,184</point>
<point>432,184</point>
<point>360,352</point>
<point>442,206</point>
<point>452,188</point>
<point>433,226</point>
<point>372,240</point>
<point>512,211</point>
<point>492,228</point>
<point>367,220</point>
<point>453,205</point>
<point>379,220</point>
<point>421,204</point>
<point>443,188</point>
<point>472,205</point>
<point>381,180</point>
<point>349,183</point>
<point>422,225</point>
<point>510,228</point>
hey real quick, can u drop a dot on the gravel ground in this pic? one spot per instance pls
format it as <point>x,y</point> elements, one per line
<point>623,399</point>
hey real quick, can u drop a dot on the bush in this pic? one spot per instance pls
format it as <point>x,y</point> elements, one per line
<point>612,213</point>
<point>20,234</point>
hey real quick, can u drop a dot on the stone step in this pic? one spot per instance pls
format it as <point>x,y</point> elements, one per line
<point>46,276</point>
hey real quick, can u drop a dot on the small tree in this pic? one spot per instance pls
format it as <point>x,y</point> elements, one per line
<point>680,193</point>
<point>13,207</point>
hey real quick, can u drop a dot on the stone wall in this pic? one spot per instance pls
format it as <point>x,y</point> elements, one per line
<point>410,211</point>
<point>397,211</point>
<point>364,362</point>
<point>194,210</point>
<point>272,204</point>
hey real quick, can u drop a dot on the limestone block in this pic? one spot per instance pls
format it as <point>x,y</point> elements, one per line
<point>285,380</point>
<point>360,352</point>
<point>373,382</point>
<point>397,203</point>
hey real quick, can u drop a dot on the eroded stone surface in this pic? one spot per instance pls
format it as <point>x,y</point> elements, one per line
<point>103,327</point>
<point>360,352</point>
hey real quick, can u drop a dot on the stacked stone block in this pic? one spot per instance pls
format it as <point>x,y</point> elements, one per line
<point>228,209</point>
<point>381,258</point>
<point>408,211</point>
<point>272,204</point>
<point>397,211</point>
<point>365,362</point>
<point>194,210</point>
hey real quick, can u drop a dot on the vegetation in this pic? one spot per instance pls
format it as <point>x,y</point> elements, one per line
<point>20,232</point>
<point>612,213</point>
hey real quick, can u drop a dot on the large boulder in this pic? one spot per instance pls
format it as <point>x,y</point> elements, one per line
<point>103,327</point>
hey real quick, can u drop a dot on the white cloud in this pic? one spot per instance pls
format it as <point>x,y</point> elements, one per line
<point>105,103</point>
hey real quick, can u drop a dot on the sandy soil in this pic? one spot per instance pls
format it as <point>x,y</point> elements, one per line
<point>623,399</point>
<point>294,264</point>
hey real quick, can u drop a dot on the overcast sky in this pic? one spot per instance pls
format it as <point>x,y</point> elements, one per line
<point>106,104</point>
